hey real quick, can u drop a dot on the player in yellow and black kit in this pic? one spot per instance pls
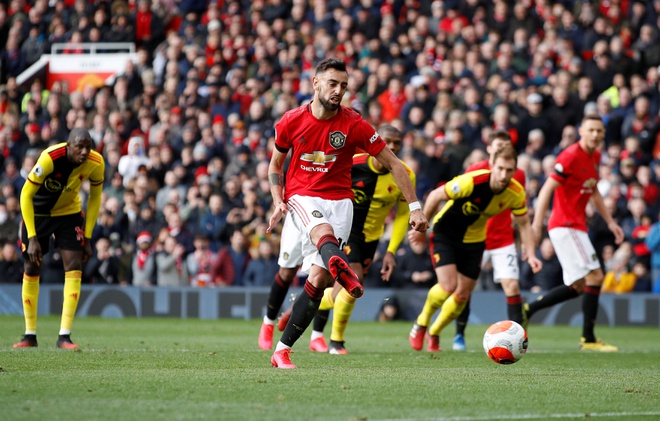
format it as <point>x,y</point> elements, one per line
<point>459,235</point>
<point>375,194</point>
<point>51,206</point>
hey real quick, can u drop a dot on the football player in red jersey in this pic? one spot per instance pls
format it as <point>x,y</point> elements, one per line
<point>571,186</point>
<point>323,136</point>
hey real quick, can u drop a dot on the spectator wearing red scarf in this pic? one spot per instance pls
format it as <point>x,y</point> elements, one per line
<point>149,28</point>
<point>143,261</point>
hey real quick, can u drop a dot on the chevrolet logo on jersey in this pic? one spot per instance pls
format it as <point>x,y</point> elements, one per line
<point>470,208</point>
<point>318,157</point>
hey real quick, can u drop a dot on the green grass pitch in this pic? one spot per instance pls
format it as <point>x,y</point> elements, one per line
<point>171,369</point>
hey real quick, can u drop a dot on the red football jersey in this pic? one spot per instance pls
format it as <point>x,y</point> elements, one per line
<point>323,151</point>
<point>499,229</point>
<point>577,172</point>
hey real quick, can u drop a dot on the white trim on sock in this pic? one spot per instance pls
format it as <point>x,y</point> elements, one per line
<point>269,321</point>
<point>280,346</point>
<point>30,332</point>
<point>316,334</point>
<point>65,332</point>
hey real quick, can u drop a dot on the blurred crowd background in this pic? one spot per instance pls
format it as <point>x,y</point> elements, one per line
<point>187,129</point>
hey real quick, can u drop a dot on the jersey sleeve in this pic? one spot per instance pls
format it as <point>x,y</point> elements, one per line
<point>282,141</point>
<point>96,177</point>
<point>95,194</point>
<point>460,187</point>
<point>519,208</point>
<point>35,179</point>
<point>41,169</point>
<point>562,168</point>
<point>400,226</point>
<point>370,141</point>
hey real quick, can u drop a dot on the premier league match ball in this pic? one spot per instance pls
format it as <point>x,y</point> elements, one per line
<point>505,342</point>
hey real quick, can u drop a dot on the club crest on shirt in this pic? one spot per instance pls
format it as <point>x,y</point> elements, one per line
<point>286,256</point>
<point>317,214</point>
<point>337,140</point>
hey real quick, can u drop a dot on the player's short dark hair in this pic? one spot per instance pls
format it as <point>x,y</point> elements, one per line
<point>507,153</point>
<point>389,129</point>
<point>499,134</point>
<point>591,116</point>
<point>79,133</point>
<point>330,63</point>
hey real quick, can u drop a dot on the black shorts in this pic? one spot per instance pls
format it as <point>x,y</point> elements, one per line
<point>359,251</point>
<point>466,256</point>
<point>69,231</point>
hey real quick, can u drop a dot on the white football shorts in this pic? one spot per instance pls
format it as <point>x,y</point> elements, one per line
<point>504,261</point>
<point>310,212</point>
<point>290,244</point>
<point>575,252</point>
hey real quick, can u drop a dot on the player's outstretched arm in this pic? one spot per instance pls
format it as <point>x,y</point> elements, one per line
<point>418,221</point>
<point>599,204</point>
<point>27,211</point>
<point>92,214</point>
<point>528,242</point>
<point>542,205</point>
<point>389,264</point>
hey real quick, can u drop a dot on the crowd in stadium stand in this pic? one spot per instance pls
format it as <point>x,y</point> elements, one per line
<point>186,130</point>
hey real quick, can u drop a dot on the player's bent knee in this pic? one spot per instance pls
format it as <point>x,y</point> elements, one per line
<point>461,296</point>
<point>510,287</point>
<point>31,269</point>
<point>287,275</point>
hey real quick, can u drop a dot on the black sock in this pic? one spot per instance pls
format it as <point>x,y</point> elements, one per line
<point>278,291</point>
<point>304,309</point>
<point>321,319</point>
<point>328,246</point>
<point>590,311</point>
<point>462,319</point>
<point>514,308</point>
<point>554,296</point>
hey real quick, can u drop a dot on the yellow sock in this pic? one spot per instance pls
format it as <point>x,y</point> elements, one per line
<point>30,302</point>
<point>434,300</point>
<point>341,315</point>
<point>327,303</point>
<point>450,311</point>
<point>71,296</point>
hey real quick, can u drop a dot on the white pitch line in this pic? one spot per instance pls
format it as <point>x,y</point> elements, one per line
<point>534,416</point>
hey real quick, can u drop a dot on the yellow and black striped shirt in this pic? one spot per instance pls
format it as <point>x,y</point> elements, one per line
<point>375,194</point>
<point>59,181</point>
<point>472,201</point>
